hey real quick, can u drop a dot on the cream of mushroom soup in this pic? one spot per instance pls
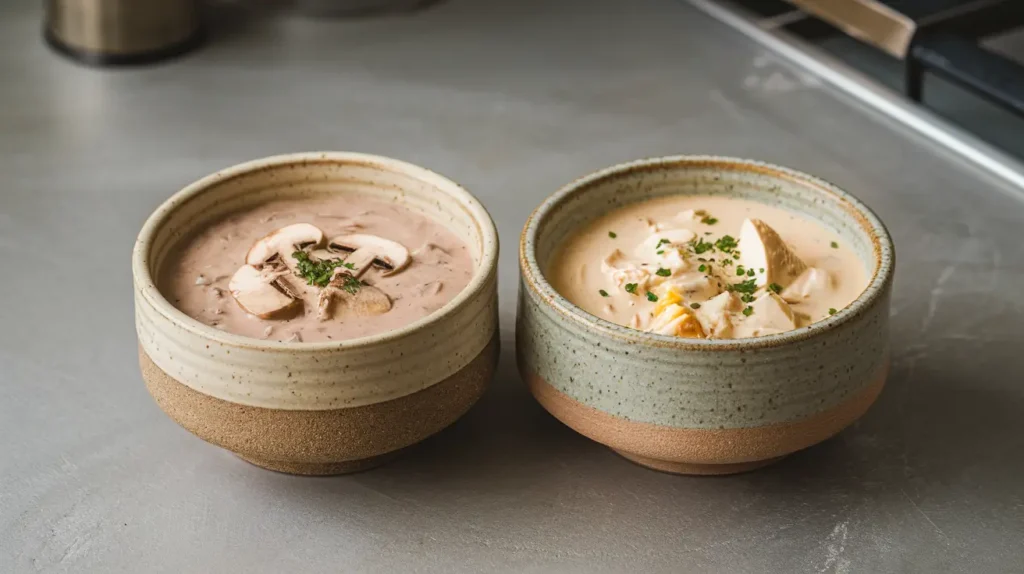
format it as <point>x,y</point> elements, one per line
<point>707,267</point>
<point>317,269</point>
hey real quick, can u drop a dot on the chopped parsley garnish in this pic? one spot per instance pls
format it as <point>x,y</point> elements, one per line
<point>702,268</point>
<point>660,252</point>
<point>747,298</point>
<point>775,287</point>
<point>612,234</point>
<point>694,305</point>
<point>663,272</point>
<point>701,246</point>
<point>835,245</point>
<point>662,242</point>
<point>708,220</point>
<point>631,288</point>
<point>350,284</point>
<point>832,311</point>
<point>740,271</point>
<point>748,310</point>
<point>750,272</point>
<point>651,297</point>
<point>726,243</point>
<point>761,270</point>
<point>319,273</point>
<point>748,286</point>
<point>727,262</point>
<point>602,292</point>
<point>707,233</point>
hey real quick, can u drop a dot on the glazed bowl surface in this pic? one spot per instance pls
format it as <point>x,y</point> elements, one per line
<point>702,406</point>
<point>320,407</point>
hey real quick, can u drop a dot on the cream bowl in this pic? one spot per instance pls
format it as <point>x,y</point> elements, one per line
<point>700,406</point>
<point>318,408</point>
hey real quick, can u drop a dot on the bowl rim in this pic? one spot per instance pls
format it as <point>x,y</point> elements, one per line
<point>882,247</point>
<point>147,287</point>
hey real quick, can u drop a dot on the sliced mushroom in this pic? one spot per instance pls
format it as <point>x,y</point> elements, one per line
<point>369,300</point>
<point>256,296</point>
<point>365,250</point>
<point>366,300</point>
<point>283,242</point>
<point>325,255</point>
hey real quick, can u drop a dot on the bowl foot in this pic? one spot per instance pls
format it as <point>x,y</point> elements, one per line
<point>695,468</point>
<point>321,468</point>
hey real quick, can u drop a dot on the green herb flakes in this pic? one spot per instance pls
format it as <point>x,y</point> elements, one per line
<point>835,245</point>
<point>651,297</point>
<point>612,234</point>
<point>694,305</point>
<point>708,220</point>
<point>748,286</point>
<point>702,268</point>
<point>702,246</point>
<point>726,243</point>
<point>319,273</point>
<point>663,272</point>
<point>748,310</point>
<point>775,287</point>
<point>603,292</point>
<point>631,288</point>
<point>740,271</point>
<point>750,272</point>
<point>832,311</point>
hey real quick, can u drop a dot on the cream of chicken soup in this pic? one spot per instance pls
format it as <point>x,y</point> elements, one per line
<point>707,267</point>
<point>317,269</point>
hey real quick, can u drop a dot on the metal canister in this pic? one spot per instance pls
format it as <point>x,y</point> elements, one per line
<point>119,32</point>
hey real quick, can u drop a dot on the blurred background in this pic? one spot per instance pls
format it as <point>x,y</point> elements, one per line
<point>962,58</point>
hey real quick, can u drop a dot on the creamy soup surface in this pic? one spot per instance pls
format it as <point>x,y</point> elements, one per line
<point>317,269</point>
<point>707,267</point>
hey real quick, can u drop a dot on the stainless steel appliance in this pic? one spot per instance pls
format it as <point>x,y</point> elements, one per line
<point>114,32</point>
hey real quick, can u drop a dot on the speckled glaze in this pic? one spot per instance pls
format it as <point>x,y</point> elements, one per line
<point>357,399</point>
<point>693,405</point>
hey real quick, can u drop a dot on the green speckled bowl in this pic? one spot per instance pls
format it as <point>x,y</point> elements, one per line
<point>697,406</point>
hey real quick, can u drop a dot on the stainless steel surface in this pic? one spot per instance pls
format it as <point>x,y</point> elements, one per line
<point>121,27</point>
<point>93,478</point>
<point>837,75</point>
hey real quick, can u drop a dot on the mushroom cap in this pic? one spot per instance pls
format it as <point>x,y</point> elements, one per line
<point>284,241</point>
<point>390,256</point>
<point>256,296</point>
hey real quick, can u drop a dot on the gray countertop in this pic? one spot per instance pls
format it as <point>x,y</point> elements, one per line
<point>512,99</point>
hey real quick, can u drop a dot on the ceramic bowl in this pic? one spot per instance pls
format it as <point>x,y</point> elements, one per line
<point>318,408</point>
<point>698,406</point>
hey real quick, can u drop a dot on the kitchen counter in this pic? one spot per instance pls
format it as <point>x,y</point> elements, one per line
<point>511,99</point>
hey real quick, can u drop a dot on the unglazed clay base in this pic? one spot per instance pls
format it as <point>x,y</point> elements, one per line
<point>703,451</point>
<point>313,442</point>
